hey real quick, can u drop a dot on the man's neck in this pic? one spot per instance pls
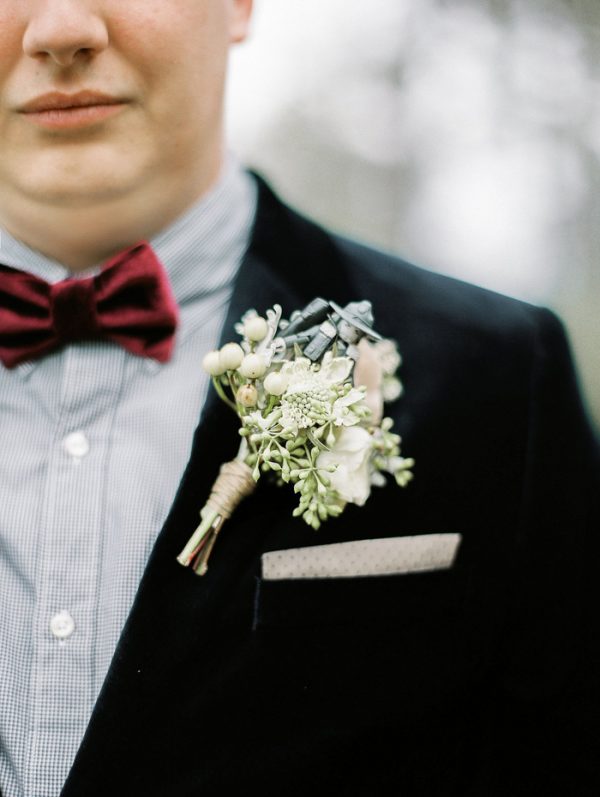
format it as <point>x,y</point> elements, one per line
<point>84,236</point>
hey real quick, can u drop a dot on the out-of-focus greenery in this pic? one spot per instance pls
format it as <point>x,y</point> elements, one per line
<point>463,135</point>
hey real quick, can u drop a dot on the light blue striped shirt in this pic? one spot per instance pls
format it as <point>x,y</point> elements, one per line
<point>94,441</point>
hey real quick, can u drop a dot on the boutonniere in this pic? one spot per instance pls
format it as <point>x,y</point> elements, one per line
<point>309,393</point>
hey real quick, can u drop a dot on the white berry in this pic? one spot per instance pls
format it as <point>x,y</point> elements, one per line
<point>247,396</point>
<point>231,356</point>
<point>212,363</point>
<point>256,328</point>
<point>275,383</point>
<point>253,366</point>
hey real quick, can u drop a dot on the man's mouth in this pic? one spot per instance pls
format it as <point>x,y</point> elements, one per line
<point>56,111</point>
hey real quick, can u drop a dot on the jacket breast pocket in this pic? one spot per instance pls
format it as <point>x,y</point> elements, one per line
<point>371,646</point>
<point>366,602</point>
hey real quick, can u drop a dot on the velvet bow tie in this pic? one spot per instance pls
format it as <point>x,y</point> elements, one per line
<point>129,302</point>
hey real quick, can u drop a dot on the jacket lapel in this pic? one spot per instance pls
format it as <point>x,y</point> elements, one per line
<point>289,261</point>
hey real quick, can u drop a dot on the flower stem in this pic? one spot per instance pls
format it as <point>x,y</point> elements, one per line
<point>222,394</point>
<point>209,519</point>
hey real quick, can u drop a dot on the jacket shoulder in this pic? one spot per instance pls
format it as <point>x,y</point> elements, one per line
<point>398,286</point>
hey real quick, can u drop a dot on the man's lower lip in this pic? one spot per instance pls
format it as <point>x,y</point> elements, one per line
<point>69,118</point>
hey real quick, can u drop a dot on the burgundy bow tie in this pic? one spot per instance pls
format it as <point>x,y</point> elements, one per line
<point>129,302</point>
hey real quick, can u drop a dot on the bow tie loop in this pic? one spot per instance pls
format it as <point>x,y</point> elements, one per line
<point>130,302</point>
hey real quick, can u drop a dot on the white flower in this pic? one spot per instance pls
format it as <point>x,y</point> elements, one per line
<point>307,398</point>
<point>306,404</point>
<point>333,371</point>
<point>341,412</point>
<point>255,420</point>
<point>351,453</point>
<point>311,398</point>
<point>299,371</point>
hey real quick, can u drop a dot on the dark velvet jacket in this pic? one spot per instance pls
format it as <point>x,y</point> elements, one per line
<point>476,681</point>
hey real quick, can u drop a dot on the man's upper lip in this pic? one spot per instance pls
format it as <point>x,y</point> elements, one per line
<point>55,100</point>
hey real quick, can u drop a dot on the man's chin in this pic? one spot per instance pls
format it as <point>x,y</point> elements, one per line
<point>73,185</point>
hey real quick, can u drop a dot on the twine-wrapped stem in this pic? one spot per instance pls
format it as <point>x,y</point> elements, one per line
<point>233,483</point>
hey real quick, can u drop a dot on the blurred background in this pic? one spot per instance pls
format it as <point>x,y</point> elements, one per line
<point>463,135</point>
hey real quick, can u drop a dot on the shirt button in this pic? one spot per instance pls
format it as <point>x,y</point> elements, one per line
<point>76,444</point>
<point>62,625</point>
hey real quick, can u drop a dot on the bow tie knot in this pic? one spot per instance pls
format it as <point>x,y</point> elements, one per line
<point>73,310</point>
<point>130,302</point>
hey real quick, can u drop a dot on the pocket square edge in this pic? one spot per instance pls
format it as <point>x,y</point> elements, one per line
<point>369,557</point>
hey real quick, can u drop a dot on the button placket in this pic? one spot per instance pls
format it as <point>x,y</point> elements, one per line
<point>71,530</point>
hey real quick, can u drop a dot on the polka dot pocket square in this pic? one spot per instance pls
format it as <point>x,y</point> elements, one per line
<point>372,557</point>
